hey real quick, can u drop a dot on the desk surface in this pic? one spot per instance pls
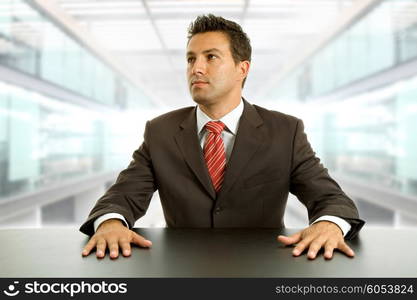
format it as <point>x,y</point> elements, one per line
<point>56,252</point>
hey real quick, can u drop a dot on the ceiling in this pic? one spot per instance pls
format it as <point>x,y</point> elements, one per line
<point>149,36</point>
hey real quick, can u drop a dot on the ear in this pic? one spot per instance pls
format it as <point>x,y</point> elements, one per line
<point>244,69</point>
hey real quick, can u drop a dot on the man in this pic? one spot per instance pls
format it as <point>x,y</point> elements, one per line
<point>223,163</point>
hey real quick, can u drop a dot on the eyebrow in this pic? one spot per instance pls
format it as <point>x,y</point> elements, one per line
<point>205,51</point>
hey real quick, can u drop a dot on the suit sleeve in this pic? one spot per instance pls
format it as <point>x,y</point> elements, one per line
<point>131,194</point>
<point>314,187</point>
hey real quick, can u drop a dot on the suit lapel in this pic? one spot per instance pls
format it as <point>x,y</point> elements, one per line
<point>248,139</point>
<point>187,141</point>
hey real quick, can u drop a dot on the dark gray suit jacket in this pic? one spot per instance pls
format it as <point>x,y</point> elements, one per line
<point>271,157</point>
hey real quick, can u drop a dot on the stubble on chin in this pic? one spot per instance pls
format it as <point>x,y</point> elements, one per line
<point>200,99</point>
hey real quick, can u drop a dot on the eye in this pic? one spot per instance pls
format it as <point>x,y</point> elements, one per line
<point>211,56</point>
<point>190,59</point>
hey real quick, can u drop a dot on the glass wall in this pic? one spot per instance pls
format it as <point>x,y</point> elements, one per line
<point>380,40</point>
<point>45,140</point>
<point>369,136</point>
<point>31,43</point>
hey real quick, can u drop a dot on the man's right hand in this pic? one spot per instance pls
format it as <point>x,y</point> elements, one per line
<point>112,234</point>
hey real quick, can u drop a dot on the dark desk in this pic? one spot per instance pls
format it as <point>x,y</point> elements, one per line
<point>204,253</point>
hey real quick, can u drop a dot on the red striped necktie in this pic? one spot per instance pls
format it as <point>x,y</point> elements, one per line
<point>214,153</point>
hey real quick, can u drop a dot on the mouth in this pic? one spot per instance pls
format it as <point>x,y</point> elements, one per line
<point>199,83</point>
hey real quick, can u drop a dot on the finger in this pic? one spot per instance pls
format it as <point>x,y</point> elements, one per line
<point>301,246</point>
<point>113,248</point>
<point>90,245</point>
<point>140,241</point>
<point>346,249</point>
<point>101,248</point>
<point>289,240</point>
<point>125,246</point>
<point>328,249</point>
<point>314,248</point>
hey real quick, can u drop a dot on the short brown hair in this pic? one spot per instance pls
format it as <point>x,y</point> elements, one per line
<point>239,41</point>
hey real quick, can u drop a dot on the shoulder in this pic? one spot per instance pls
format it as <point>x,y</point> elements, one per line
<point>276,118</point>
<point>172,118</point>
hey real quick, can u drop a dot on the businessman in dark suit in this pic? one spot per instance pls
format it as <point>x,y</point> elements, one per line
<point>223,163</point>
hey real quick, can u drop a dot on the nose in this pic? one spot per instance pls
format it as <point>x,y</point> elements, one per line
<point>198,67</point>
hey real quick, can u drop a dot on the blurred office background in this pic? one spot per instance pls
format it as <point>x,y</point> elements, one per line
<point>79,78</point>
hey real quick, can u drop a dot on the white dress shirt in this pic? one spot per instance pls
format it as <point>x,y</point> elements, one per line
<point>231,121</point>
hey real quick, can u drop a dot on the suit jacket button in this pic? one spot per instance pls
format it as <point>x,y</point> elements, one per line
<point>218,210</point>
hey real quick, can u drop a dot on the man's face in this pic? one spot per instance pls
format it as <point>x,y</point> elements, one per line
<point>211,71</point>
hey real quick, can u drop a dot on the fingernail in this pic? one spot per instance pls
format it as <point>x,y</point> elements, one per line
<point>148,242</point>
<point>126,252</point>
<point>296,252</point>
<point>113,253</point>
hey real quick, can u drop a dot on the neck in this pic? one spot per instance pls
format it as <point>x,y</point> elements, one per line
<point>218,110</point>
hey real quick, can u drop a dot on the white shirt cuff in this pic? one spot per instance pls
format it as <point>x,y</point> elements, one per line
<point>108,216</point>
<point>343,225</point>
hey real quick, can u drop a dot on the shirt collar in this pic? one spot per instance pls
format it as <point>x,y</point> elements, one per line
<point>231,120</point>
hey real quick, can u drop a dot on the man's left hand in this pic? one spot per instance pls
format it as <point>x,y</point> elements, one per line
<point>323,234</point>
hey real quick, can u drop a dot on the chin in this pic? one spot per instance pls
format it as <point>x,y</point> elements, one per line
<point>199,99</point>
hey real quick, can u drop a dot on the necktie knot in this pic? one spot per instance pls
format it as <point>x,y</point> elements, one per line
<point>215,127</point>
